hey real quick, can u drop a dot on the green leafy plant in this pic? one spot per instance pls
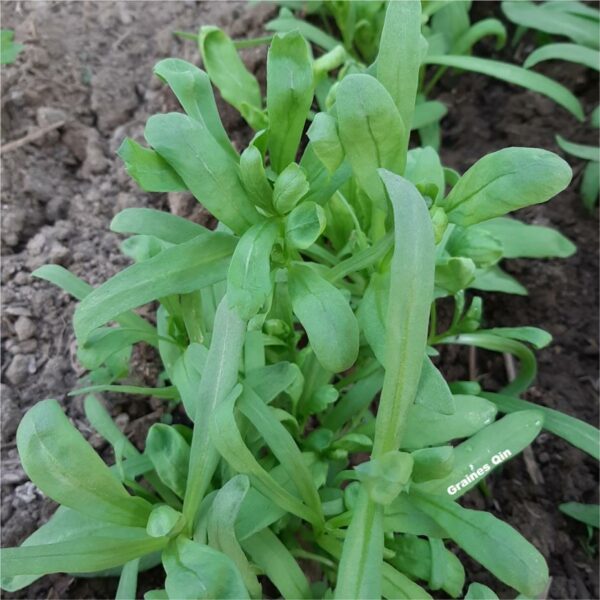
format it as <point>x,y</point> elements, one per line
<point>9,50</point>
<point>580,24</point>
<point>299,337</point>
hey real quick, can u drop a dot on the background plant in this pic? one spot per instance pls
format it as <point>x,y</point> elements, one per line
<point>580,24</point>
<point>281,413</point>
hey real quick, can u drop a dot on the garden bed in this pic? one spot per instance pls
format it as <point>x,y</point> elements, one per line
<point>90,65</point>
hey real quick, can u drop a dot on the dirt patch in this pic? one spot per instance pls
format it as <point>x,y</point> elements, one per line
<point>59,194</point>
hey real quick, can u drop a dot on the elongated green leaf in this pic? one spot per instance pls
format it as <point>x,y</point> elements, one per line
<point>249,276</point>
<point>151,172</point>
<point>569,52</point>
<point>433,391</point>
<point>271,555</point>
<point>426,427</point>
<point>505,181</point>
<point>515,75</point>
<point>540,17</point>
<point>590,185</point>
<point>158,223</point>
<point>128,581</point>
<point>290,187</point>
<point>227,71</point>
<point>476,458</point>
<point>116,546</point>
<point>210,173</point>
<point>226,437</point>
<point>411,292</point>
<point>359,574</point>
<point>282,445</point>
<point>399,58</point>
<point>220,377</point>
<point>479,30</point>
<point>586,513</point>
<point>65,467</point>
<point>101,421</point>
<point>192,87</point>
<point>9,50</point>
<point>178,270</point>
<point>579,150</point>
<point>491,542</point>
<point>398,586</point>
<point>270,381</point>
<point>221,528</point>
<point>520,240</point>
<point>198,571</point>
<point>535,336</point>
<point>290,91</point>
<point>578,433</point>
<point>254,178</point>
<point>372,132</point>
<point>494,279</point>
<point>329,322</point>
<point>65,280</point>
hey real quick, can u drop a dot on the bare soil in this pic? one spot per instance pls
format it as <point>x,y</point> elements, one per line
<point>90,64</point>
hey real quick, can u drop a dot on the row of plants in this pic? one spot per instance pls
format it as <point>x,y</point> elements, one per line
<point>301,335</point>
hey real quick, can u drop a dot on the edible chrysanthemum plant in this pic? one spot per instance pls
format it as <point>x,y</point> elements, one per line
<point>298,335</point>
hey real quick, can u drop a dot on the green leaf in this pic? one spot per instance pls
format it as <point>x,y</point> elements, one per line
<point>424,169</point>
<point>540,17</point>
<point>494,279</point>
<point>178,270</point>
<point>186,375</point>
<point>579,150</point>
<point>151,172</point>
<point>226,437</point>
<point>372,132</point>
<point>289,95</point>
<point>65,280</point>
<point>520,240</point>
<point>515,75</point>
<point>227,71</point>
<point>287,22</point>
<point>128,581</point>
<point>64,466</point>
<point>399,59</point>
<point>8,49</point>
<point>209,172</point>
<point>112,547</point>
<point>569,52</point>
<point>398,586</point>
<point>325,141</point>
<point>329,322</point>
<point>170,456</point>
<point>290,187</point>
<point>590,185</point>
<point>578,433</point>
<point>273,557</point>
<point>504,181</point>
<point>426,427</point>
<point>476,458</point>
<point>282,445</point>
<point>491,542</point>
<point>196,571</point>
<point>411,292</point>
<point>221,528</point>
<point>162,521</point>
<point>535,336</point>
<point>304,225</point>
<point>454,274</point>
<point>432,463</point>
<point>427,113</point>
<point>359,573</point>
<point>586,513</point>
<point>433,391</point>
<point>192,87</point>
<point>219,378</point>
<point>481,29</point>
<point>477,244</point>
<point>249,277</point>
<point>254,178</point>
<point>158,223</point>
<point>478,591</point>
<point>385,477</point>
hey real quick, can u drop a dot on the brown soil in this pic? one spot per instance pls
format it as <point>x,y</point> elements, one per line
<point>91,64</point>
